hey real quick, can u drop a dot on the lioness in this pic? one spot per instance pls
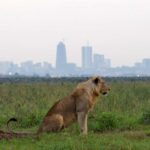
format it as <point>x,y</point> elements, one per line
<point>74,107</point>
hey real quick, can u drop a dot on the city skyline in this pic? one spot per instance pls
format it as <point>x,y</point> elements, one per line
<point>64,56</point>
<point>92,63</point>
<point>52,58</point>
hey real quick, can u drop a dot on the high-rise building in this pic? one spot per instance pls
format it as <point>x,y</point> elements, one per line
<point>99,61</point>
<point>86,57</point>
<point>61,58</point>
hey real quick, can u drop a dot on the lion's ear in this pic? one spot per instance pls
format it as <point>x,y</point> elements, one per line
<point>96,80</point>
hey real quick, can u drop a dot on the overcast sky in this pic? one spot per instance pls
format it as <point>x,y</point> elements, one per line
<point>31,29</point>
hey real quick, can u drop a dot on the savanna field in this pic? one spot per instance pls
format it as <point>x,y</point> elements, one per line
<point>119,121</point>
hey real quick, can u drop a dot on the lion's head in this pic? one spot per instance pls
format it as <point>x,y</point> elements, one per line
<point>99,86</point>
<point>94,85</point>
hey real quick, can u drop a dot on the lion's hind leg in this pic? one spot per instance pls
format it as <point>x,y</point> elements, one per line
<point>52,123</point>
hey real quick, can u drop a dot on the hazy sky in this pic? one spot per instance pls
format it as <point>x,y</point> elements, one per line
<point>31,29</point>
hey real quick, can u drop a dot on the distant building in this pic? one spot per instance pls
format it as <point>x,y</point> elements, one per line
<point>71,68</point>
<point>107,63</point>
<point>146,63</point>
<point>27,68</point>
<point>61,58</point>
<point>138,65</point>
<point>86,57</point>
<point>98,62</point>
<point>6,67</point>
<point>38,69</point>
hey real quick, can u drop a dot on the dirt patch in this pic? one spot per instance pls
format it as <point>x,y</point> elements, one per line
<point>11,135</point>
<point>135,135</point>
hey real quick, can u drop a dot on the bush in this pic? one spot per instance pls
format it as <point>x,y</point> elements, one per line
<point>107,121</point>
<point>145,118</point>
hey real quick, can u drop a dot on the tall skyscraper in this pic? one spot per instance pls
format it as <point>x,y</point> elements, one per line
<point>86,57</point>
<point>61,58</point>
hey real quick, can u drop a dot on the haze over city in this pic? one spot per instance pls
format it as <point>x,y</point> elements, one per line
<point>31,29</point>
<point>92,63</point>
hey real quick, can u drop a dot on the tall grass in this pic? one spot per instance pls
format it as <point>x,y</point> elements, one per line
<point>29,102</point>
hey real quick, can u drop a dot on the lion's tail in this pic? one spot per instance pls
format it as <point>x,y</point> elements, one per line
<point>10,120</point>
<point>10,134</point>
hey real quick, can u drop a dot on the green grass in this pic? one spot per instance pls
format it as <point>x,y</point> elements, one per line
<point>69,141</point>
<point>120,121</point>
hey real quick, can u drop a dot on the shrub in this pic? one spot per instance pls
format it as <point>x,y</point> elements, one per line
<point>128,123</point>
<point>106,121</point>
<point>109,121</point>
<point>145,118</point>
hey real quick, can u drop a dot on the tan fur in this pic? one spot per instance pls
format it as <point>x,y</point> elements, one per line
<point>74,107</point>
